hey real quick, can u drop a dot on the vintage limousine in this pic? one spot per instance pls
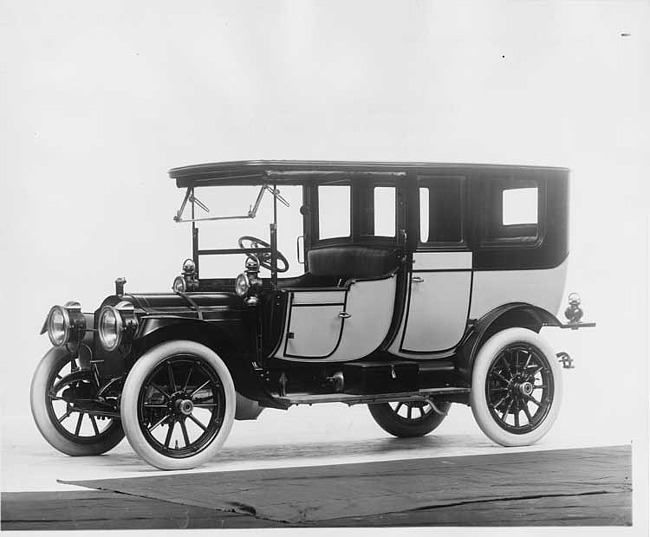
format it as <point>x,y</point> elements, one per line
<point>414,286</point>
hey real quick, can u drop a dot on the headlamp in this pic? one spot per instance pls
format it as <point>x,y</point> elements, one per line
<point>189,266</point>
<point>114,322</point>
<point>188,280</point>
<point>242,284</point>
<point>179,285</point>
<point>65,324</point>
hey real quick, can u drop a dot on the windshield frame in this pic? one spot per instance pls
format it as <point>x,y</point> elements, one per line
<point>198,252</point>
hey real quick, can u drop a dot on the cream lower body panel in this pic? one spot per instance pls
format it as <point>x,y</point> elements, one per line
<point>543,288</point>
<point>370,307</point>
<point>437,311</point>
<point>435,315</point>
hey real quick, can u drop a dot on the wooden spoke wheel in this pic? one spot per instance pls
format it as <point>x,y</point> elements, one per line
<point>178,405</point>
<point>516,387</point>
<point>409,419</point>
<point>58,391</point>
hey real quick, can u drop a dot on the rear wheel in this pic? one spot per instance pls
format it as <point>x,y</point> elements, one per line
<point>516,387</point>
<point>178,405</point>
<point>57,386</point>
<point>409,419</point>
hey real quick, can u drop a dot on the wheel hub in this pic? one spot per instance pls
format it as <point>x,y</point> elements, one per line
<point>525,388</point>
<point>520,387</point>
<point>184,407</point>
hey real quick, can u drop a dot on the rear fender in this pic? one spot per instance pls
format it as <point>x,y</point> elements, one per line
<point>507,316</point>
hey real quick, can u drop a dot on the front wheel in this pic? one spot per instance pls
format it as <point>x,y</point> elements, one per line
<point>57,389</point>
<point>409,419</point>
<point>516,387</point>
<point>178,405</point>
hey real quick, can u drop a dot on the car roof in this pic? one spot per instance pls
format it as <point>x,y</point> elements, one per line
<point>247,172</point>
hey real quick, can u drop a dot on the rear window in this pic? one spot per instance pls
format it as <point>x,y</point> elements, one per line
<point>519,206</point>
<point>512,211</point>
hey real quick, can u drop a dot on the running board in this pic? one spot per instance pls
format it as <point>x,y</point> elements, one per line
<point>350,399</point>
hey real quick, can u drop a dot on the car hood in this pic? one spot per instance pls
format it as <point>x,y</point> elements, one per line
<point>169,303</point>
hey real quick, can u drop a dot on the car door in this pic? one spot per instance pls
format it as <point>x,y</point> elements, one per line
<point>338,324</point>
<point>438,301</point>
<point>352,320</point>
<point>314,323</point>
<point>439,287</point>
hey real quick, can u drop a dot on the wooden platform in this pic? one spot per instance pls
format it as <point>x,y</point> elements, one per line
<point>575,487</point>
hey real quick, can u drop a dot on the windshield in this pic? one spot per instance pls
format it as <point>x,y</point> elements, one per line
<point>223,214</point>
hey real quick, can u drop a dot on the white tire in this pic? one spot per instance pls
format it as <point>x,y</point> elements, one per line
<point>65,425</point>
<point>516,387</point>
<point>178,405</point>
<point>409,419</point>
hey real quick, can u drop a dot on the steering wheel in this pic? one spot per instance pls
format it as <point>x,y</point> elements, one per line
<point>264,258</point>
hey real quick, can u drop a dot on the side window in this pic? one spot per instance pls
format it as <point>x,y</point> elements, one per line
<point>384,211</point>
<point>333,211</point>
<point>441,210</point>
<point>519,206</point>
<point>512,211</point>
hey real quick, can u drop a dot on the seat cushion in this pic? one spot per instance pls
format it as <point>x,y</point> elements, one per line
<point>351,261</point>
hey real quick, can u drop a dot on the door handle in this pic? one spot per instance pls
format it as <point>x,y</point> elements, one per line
<point>417,279</point>
<point>300,239</point>
<point>344,315</point>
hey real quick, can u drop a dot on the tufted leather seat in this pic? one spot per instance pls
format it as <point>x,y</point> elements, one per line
<point>352,261</point>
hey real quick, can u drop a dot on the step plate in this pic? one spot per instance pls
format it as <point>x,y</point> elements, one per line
<point>350,399</point>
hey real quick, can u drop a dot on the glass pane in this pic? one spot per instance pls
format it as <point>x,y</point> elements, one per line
<point>333,211</point>
<point>441,211</point>
<point>424,215</point>
<point>290,228</point>
<point>236,201</point>
<point>384,211</point>
<point>519,206</point>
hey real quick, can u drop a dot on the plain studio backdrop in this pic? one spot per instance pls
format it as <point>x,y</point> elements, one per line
<point>101,99</point>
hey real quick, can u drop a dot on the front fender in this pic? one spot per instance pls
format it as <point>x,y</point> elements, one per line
<point>233,341</point>
<point>516,314</point>
<point>224,337</point>
<point>149,325</point>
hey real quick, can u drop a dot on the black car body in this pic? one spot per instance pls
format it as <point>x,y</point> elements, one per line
<point>437,300</point>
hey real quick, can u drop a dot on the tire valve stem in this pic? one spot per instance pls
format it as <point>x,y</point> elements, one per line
<point>176,444</point>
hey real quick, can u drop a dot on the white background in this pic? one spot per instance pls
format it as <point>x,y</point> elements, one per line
<point>99,100</point>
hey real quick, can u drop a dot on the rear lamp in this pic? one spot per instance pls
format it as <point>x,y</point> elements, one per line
<point>574,299</point>
<point>116,324</point>
<point>574,312</point>
<point>65,324</point>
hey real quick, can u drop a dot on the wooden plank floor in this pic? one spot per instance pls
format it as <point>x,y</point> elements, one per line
<point>96,510</point>
<point>578,487</point>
